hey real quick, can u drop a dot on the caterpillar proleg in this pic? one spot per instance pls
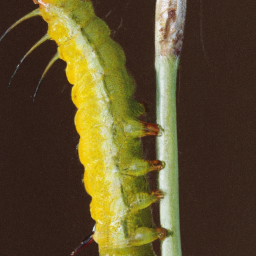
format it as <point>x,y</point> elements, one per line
<point>106,120</point>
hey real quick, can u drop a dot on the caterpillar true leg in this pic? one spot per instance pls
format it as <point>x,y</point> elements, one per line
<point>42,40</point>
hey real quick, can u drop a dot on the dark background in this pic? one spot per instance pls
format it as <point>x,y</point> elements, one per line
<point>44,208</point>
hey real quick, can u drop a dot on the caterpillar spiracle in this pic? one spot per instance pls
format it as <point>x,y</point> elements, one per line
<point>108,125</point>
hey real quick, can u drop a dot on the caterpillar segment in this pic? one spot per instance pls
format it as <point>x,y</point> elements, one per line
<point>106,120</point>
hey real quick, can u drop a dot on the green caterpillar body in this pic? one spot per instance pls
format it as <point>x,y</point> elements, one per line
<point>106,120</point>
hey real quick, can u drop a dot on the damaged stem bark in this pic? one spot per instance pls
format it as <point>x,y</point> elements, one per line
<point>169,27</point>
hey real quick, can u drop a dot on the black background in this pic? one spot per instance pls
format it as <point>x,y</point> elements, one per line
<point>44,208</point>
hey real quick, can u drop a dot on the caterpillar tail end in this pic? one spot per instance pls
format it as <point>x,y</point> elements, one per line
<point>88,240</point>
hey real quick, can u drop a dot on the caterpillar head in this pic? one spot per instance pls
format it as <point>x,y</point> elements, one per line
<point>45,2</point>
<point>57,2</point>
<point>80,11</point>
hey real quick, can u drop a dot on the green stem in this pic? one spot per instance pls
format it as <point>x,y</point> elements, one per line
<point>170,17</point>
<point>168,152</point>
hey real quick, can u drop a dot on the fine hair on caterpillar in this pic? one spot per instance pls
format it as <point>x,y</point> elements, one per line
<point>108,125</point>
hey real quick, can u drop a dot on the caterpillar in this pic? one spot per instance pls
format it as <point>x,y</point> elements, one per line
<point>107,122</point>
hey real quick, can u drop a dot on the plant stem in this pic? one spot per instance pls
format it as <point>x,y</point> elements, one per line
<point>170,17</point>
<point>167,151</point>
